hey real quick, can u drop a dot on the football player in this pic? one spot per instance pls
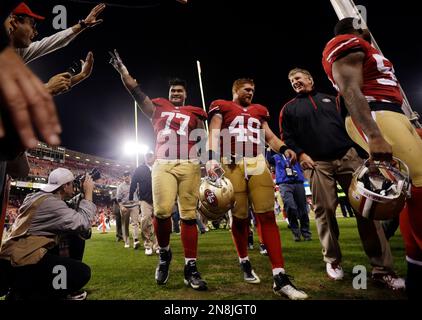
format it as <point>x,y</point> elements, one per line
<point>176,171</point>
<point>243,130</point>
<point>367,83</point>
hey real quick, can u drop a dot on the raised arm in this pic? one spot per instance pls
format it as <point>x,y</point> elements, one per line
<point>144,102</point>
<point>348,75</point>
<point>60,39</point>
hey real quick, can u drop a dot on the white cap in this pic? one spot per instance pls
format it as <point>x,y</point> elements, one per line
<point>57,178</point>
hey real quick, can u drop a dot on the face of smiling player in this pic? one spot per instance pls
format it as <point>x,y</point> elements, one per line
<point>177,95</point>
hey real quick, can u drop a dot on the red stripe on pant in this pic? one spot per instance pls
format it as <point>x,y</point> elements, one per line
<point>189,236</point>
<point>162,228</point>
<point>268,228</point>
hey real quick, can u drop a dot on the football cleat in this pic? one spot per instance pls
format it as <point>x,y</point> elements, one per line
<point>249,274</point>
<point>193,277</point>
<point>283,286</point>
<point>162,270</point>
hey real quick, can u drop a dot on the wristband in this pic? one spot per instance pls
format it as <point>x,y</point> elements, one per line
<point>83,24</point>
<point>138,95</point>
<point>283,149</point>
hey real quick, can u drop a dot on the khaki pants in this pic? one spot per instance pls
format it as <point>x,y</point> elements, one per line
<point>258,190</point>
<point>147,228</point>
<point>130,214</point>
<point>400,134</point>
<point>324,195</point>
<point>171,179</point>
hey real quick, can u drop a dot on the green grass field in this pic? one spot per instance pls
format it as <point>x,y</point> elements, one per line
<point>127,274</point>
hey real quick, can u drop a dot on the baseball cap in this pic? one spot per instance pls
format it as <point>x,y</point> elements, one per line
<point>23,9</point>
<point>57,178</point>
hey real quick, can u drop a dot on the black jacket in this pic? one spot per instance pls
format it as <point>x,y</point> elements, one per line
<point>312,123</point>
<point>141,177</point>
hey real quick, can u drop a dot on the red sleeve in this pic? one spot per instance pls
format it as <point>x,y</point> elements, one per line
<point>264,114</point>
<point>161,102</point>
<point>216,107</point>
<point>199,112</point>
<point>280,121</point>
<point>343,45</point>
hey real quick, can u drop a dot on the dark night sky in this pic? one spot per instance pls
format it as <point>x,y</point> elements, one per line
<point>232,38</point>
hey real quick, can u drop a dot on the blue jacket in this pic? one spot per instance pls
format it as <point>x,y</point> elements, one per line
<point>280,163</point>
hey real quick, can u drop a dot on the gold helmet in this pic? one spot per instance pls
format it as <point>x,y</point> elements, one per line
<point>215,197</point>
<point>378,190</point>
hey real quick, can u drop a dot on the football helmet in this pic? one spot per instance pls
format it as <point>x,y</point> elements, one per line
<point>378,190</point>
<point>216,197</point>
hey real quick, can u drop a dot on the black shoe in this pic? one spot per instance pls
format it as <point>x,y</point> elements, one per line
<point>283,286</point>
<point>162,270</point>
<point>77,295</point>
<point>296,237</point>
<point>263,249</point>
<point>249,274</point>
<point>193,277</point>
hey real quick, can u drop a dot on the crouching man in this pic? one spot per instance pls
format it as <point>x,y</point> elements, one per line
<point>30,264</point>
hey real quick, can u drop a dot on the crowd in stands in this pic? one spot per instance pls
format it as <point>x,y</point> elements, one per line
<point>111,175</point>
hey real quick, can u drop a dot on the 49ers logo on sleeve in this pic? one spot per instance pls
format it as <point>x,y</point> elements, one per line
<point>211,198</point>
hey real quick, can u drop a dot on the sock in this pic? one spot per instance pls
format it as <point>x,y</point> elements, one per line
<point>276,271</point>
<point>162,228</point>
<point>189,236</point>
<point>271,238</point>
<point>240,231</point>
<point>413,251</point>
<point>189,259</point>
<point>244,259</point>
<point>414,205</point>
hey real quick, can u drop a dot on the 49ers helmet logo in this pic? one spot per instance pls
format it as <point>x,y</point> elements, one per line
<point>211,198</point>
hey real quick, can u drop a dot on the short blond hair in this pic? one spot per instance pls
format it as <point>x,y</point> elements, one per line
<point>240,82</point>
<point>297,70</point>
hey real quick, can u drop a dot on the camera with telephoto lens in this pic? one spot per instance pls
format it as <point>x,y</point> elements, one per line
<point>78,188</point>
<point>79,180</point>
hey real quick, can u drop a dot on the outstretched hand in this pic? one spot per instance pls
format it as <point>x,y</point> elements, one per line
<point>91,19</point>
<point>117,63</point>
<point>88,64</point>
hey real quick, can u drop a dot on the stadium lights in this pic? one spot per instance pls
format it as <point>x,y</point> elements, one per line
<point>131,148</point>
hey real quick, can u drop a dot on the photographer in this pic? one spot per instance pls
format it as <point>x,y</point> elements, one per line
<point>30,255</point>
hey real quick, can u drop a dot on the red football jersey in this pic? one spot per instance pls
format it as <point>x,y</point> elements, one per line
<point>241,132</point>
<point>173,127</point>
<point>379,81</point>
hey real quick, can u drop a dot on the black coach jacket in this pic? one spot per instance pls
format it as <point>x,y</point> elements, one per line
<point>312,123</point>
